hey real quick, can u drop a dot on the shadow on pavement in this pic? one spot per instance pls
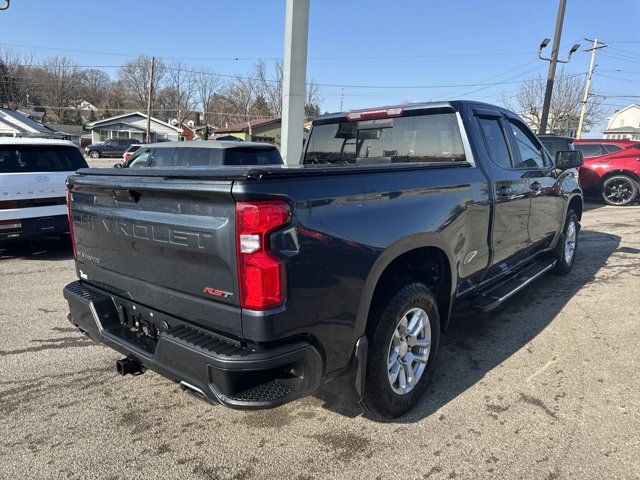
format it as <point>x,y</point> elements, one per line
<point>42,248</point>
<point>478,342</point>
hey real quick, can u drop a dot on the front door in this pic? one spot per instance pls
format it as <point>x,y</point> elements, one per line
<point>547,206</point>
<point>510,236</point>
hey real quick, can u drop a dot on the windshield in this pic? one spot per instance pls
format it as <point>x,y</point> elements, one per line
<point>418,138</point>
<point>40,158</point>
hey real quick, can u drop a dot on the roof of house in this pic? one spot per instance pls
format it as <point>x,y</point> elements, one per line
<point>623,109</point>
<point>244,126</point>
<point>68,129</point>
<point>22,124</point>
<point>628,129</point>
<point>34,141</point>
<point>124,115</point>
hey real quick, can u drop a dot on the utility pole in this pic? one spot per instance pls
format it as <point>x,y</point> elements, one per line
<point>296,33</point>
<point>150,97</point>
<point>341,99</point>
<point>587,87</point>
<point>552,66</point>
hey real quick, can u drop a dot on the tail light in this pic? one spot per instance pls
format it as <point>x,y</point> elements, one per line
<point>261,275</point>
<point>70,221</point>
<point>386,112</point>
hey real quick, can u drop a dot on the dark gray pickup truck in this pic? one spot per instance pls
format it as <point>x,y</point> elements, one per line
<point>254,286</point>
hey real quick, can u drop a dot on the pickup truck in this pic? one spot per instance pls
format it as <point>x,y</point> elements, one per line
<point>256,285</point>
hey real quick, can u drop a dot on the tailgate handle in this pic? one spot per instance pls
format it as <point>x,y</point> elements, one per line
<point>126,196</point>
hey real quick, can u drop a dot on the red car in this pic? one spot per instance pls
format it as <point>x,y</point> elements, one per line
<point>615,176</point>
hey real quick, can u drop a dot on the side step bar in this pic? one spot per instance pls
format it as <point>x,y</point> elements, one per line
<point>498,294</point>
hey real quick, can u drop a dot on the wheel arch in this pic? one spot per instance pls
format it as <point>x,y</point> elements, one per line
<point>613,173</point>
<point>392,267</point>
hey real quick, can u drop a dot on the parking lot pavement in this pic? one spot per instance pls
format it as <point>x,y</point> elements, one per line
<point>102,162</point>
<point>546,387</point>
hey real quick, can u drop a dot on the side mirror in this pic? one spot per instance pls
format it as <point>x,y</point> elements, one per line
<point>117,165</point>
<point>569,159</point>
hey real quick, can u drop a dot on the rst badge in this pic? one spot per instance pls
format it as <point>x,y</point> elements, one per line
<point>217,293</point>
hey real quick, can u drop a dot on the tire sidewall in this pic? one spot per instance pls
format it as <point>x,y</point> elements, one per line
<point>634,186</point>
<point>379,396</point>
<point>94,154</point>
<point>562,265</point>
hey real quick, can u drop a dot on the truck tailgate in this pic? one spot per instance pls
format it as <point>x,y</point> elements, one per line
<point>160,242</point>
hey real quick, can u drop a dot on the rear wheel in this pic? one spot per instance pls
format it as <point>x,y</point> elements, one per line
<point>619,190</point>
<point>404,337</point>
<point>94,154</point>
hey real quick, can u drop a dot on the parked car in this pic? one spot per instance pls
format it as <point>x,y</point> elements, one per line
<point>110,148</point>
<point>130,151</point>
<point>254,285</point>
<point>615,177</point>
<point>556,143</point>
<point>32,185</point>
<point>592,147</point>
<point>203,154</point>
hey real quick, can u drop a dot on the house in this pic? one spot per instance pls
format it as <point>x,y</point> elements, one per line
<point>15,124</point>
<point>67,132</point>
<point>624,124</point>
<point>269,130</point>
<point>254,130</point>
<point>133,125</point>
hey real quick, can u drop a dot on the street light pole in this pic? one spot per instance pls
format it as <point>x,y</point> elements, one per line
<point>296,33</point>
<point>552,67</point>
<point>150,98</point>
<point>587,87</point>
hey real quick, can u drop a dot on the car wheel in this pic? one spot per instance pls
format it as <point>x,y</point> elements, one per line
<point>619,190</point>
<point>94,154</point>
<point>403,338</point>
<point>568,244</point>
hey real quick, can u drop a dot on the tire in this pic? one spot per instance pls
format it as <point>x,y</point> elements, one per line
<point>619,190</point>
<point>567,247</point>
<point>94,154</point>
<point>381,398</point>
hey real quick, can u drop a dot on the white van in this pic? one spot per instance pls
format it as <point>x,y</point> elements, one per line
<point>33,172</point>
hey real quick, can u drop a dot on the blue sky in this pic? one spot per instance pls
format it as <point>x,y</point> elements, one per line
<point>354,45</point>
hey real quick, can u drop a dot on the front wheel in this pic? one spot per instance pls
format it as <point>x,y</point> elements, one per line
<point>619,190</point>
<point>94,154</point>
<point>568,244</point>
<point>404,337</point>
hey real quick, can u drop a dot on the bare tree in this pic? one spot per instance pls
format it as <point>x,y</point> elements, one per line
<point>59,80</point>
<point>312,100</point>
<point>207,84</point>
<point>270,88</point>
<point>565,104</point>
<point>95,85</point>
<point>135,75</point>
<point>17,79</point>
<point>179,97</point>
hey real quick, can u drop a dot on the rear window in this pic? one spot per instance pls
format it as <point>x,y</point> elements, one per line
<point>419,138</point>
<point>203,157</point>
<point>40,158</point>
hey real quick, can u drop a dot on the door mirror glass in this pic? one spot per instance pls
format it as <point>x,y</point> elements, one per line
<point>569,159</point>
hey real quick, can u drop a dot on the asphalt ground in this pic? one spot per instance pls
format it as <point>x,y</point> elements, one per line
<point>546,387</point>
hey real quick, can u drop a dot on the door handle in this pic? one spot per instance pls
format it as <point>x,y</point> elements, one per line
<point>504,191</point>
<point>536,187</point>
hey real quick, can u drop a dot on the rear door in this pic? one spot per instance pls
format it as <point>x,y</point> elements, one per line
<point>510,237</point>
<point>160,242</point>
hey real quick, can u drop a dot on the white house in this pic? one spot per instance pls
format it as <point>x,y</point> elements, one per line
<point>16,124</point>
<point>624,124</point>
<point>132,125</point>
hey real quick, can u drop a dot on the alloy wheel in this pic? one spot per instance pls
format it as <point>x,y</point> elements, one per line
<point>618,191</point>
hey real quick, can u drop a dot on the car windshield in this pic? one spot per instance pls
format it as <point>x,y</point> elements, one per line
<point>40,158</point>
<point>417,138</point>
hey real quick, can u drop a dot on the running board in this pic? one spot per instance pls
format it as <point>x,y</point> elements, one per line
<point>497,295</point>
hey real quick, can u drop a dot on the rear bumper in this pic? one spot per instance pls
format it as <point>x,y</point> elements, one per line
<point>32,227</point>
<point>222,370</point>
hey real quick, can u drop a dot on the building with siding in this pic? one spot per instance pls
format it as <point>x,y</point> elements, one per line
<point>624,124</point>
<point>133,125</point>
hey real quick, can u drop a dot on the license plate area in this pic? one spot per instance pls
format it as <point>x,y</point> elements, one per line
<point>138,325</point>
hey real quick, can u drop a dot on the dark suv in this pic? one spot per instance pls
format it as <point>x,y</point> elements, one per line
<point>110,148</point>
